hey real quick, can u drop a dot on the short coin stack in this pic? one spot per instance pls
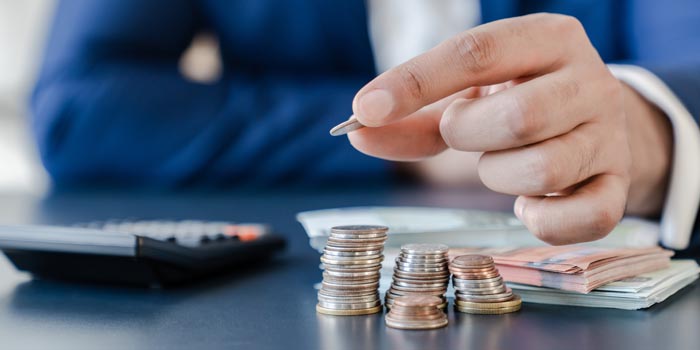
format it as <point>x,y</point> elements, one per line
<point>479,288</point>
<point>421,269</point>
<point>351,261</point>
<point>416,312</point>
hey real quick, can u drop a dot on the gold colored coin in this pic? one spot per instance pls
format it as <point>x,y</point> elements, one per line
<point>500,311</point>
<point>356,312</point>
<point>497,305</point>
<point>417,325</point>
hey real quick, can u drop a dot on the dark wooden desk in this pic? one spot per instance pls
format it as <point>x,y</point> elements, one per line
<point>273,307</point>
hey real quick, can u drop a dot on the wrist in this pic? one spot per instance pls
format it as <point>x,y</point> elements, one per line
<point>651,142</point>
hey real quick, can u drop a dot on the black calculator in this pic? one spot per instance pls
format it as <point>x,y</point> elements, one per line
<point>138,252</point>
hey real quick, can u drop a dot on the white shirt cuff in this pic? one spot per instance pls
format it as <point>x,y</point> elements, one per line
<point>683,197</point>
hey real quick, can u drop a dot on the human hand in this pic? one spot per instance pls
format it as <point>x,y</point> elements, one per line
<point>534,96</point>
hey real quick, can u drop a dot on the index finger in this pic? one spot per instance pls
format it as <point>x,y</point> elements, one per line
<point>488,54</point>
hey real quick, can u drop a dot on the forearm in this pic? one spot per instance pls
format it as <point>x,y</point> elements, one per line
<point>650,138</point>
<point>146,125</point>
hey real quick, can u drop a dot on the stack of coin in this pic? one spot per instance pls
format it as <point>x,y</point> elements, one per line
<point>479,288</point>
<point>416,312</point>
<point>421,269</point>
<point>351,261</point>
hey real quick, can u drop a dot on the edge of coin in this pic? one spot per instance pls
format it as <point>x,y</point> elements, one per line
<point>356,312</point>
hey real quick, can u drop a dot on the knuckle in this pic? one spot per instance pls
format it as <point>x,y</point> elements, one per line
<point>539,227</point>
<point>543,173</point>
<point>447,125</point>
<point>521,122</point>
<point>476,50</point>
<point>614,91</point>
<point>566,90</point>
<point>413,80</point>
<point>604,221</point>
<point>565,24</point>
<point>587,157</point>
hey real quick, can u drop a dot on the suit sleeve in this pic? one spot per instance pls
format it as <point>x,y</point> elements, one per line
<point>111,106</point>
<point>662,38</point>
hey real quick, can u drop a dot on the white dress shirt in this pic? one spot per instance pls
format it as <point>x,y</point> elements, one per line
<point>402,29</point>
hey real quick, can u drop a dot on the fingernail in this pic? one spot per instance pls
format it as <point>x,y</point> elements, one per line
<point>376,104</point>
<point>519,208</point>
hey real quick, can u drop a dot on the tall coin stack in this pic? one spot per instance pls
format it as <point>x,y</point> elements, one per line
<point>421,269</point>
<point>351,261</point>
<point>416,312</point>
<point>479,288</point>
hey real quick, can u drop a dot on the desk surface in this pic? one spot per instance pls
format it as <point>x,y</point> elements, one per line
<point>273,307</point>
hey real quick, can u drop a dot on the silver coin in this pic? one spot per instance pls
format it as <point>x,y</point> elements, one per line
<point>364,248</point>
<point>419,285</point>
<point>477,287</point>
<point>406,260</point>
<point>350,293</point>
<point>456,280</point>
<point>358,275</point>
<point>389,301</point>
<point>407,256</point>
<point>352,268</point>
<point>341,306</point>
<point>348,299</point>
<point>329,261</point>
<point>347,126</point>
<point>359,235</point>
<point>359,229</point>
<point>443,280</point>
<point>428,263</point>
<point>434,290</point>
<point>347,293</point>
<point>422,269</point>
<point>425,248</point>
<point>482,291</point>
<point>394,292</point>
<point>356,244</point>
<point>346,286</point>
<point>339,282</point>
<point>415,311</point>
<point>437,315</point>
<point>353,254</point>
<point>421,274</point>
<point>353,258</point>
<point>346,279</point>
<point>485,298</point>
<point>417,325</point>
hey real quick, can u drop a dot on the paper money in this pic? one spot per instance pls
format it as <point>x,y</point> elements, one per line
<point>573,268</point>
<point>632,293</point>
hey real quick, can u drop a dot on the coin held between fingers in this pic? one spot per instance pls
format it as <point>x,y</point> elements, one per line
<point>347,126</point>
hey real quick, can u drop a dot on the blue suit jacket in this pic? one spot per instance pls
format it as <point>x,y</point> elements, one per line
<point>110,104</point>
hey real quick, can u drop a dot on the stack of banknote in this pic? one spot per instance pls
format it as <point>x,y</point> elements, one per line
<point>632,293</point>
<point>573,268</point>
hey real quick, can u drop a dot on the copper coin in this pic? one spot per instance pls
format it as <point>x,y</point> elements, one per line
<point>422,300</point>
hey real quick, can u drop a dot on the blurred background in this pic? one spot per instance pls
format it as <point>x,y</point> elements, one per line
<point>23,28</point>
